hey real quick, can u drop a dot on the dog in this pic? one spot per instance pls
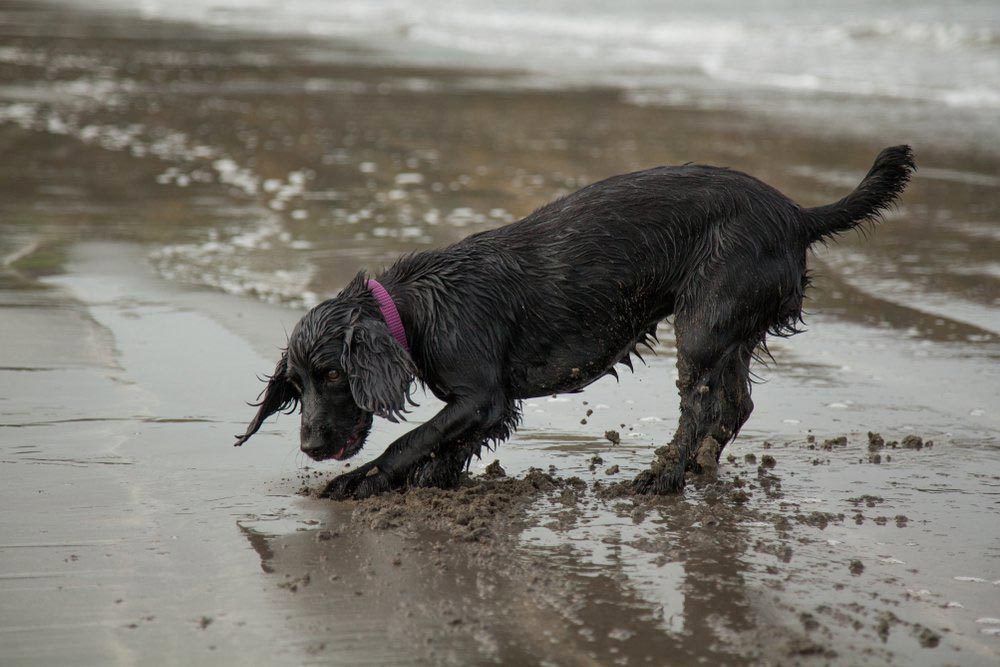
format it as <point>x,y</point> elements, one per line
<point>551,303</point>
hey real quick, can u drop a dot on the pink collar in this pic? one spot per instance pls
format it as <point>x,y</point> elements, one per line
<point>389,312</point>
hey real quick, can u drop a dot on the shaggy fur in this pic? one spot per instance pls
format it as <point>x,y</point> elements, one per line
<point>551,303</point>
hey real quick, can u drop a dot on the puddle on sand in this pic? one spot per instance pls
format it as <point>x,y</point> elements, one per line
<point>801,568</point>
<point>806,566</point>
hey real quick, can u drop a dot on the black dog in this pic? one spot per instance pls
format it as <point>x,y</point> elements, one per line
<point>550,304</point>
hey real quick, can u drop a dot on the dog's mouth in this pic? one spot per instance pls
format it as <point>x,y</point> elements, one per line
<point>356,438</point>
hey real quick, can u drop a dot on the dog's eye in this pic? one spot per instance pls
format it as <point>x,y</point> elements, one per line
<point>332,376</point>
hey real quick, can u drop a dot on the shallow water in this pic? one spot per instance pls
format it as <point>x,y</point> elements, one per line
<point>177,195</point>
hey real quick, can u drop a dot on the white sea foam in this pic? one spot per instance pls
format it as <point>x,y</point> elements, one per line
<point>237,258</point>
<point>924,50</point>
<point>242,259</point>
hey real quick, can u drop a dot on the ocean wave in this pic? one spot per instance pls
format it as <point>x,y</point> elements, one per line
<point>939,35</point>
<point>946,54</point>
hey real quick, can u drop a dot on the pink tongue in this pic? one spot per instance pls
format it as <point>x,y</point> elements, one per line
<point>340,452</point>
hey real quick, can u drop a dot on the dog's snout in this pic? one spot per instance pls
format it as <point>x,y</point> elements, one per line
<point>307,440</point>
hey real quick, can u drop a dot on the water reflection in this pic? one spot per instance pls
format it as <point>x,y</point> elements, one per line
<point>592,583</point>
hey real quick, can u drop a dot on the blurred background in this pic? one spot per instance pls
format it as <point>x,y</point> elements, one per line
<point>255,142</point>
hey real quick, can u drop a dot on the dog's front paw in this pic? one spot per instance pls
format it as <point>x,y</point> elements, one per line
<point>374,482</point>
<point>438,473</point>
<point>366,481</point>
<point>342,486</point>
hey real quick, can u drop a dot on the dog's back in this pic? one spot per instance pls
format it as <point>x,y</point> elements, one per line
<point>580,281</point>
<point>671,213</point>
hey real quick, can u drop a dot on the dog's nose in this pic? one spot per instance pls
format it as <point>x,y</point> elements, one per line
<point>306,441</point>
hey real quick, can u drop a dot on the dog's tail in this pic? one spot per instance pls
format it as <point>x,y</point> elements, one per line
<point>877,192</point>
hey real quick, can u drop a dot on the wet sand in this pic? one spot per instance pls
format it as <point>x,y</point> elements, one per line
<point>162,175</point>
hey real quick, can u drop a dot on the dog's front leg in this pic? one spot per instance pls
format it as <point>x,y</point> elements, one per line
<point>391,469</point>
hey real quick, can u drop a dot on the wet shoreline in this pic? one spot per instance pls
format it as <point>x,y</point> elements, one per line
<point>807,534</point>
<point>178,194</point>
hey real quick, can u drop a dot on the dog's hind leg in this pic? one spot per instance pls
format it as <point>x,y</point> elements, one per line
<point>728,408</point>
<point>714,386</point>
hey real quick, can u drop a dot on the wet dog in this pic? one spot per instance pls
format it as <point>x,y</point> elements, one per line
<point>553,302</point>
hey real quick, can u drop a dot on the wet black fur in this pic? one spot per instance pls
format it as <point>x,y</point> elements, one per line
<point>551,303</point>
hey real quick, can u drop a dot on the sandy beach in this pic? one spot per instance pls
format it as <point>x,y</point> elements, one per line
<point>174,196</point>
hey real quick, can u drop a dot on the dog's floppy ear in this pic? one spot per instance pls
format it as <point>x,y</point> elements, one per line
<point>278,395</point>
<point>378,368</point>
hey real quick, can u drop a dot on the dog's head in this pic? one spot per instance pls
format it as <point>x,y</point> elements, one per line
<point>342,367</point>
